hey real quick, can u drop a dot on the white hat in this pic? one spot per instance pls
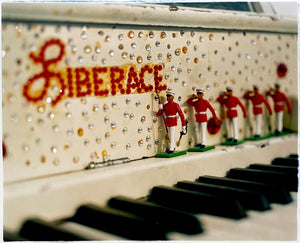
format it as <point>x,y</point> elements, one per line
<point>229,89</point>
<point>200,91</point>
<point>170,92</point>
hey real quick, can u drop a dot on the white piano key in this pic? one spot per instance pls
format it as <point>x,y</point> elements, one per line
<point>89,233</point>
<point>280,223</point>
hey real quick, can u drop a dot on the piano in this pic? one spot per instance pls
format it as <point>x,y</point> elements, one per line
<point>81,135</point>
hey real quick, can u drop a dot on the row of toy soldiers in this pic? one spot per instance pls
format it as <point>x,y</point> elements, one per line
<point>170,110</point>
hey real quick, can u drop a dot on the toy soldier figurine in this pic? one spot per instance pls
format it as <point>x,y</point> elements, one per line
<point>170,109</point>
<point>201,105</point>
<point>279,98</point>
<point>231,102</point>
<point>257,100</point>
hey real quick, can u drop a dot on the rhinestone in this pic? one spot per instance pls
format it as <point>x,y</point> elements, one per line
<point>105,107</point>
<point>139,59</point>
<point>95,107</point>
<point>253,42</point>
<point>155,120</point>
<point>56,161</point>
<point>55,128</point>
<point>188,42</point>
<point>75,159</point>
<point>26,148</point>
<point>156,141</point>
<point>148,47</point>
<point>126,114</point>
<point>128,146</point>
<point>101,33</point>
<point>138,104</point>
<point>157,43</point>
<point>207,87</point>
<point>141,34</point>
<point>98,139</point>
<point>177,52</point>
<point>86,142</point>
<point>149,129</point>
<point>54,150</point>
<point>83,35</point>
<point>68,114</point>
<point>131,34</point>
<point>124,54</point>
<point>149,57</point>
<point>179,98</point>
<point>113,125</point>
<point>84,113</point>
<point>179,70</point>
<point>149,146</point>
<point>182,33</point>
<point>14,118</point>
<point>133,45</point>
<point>151,34</point>
<point>159,56</point>
<point>104,61</point>
<point>140,142</point>
<point>70,132</point>
<point>91,126</point>
<point>114,104</point>
<point>29,118</point>
<point>80,59</point>
<point>107,135</point>
<point>111,53</point>
<point>148,138</point>
<point>94,57</point>
<point>113,145</point>
<point>106,119</point>
<point>184,83</point>
<point>131,56</point>
<point>93,155</point>
<point>128,101</point>
<point>163,34</point>
<point>97,49</point>
<point>140,130</point>
<point>87,49</point>
<point>80,132</point>
<point>120,37</point>
<point>201,39</point>
<point>131,116</point>
<point>125,130</point>
<point>107,38</point>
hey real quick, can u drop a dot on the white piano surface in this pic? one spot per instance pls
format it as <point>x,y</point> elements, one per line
<point>56,197</point>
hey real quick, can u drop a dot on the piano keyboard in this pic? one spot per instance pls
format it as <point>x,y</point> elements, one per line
<point>246,203</point>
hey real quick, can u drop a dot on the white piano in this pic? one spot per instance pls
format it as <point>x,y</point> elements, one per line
<point>80,125</point>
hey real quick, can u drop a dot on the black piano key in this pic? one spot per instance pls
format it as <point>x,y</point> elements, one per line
<point>171,220</point>
<point>196,202</point>
<point>12,236</point>
<point>249,199</point>
<point>270,177</point>
<point>40,230</point>
<point>274,193</point>
<point>285,161</point>
<point>291,170</point>
<point>296,156</point>
<point>117,222</point>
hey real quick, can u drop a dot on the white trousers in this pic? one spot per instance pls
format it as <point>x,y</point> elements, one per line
<point>202,126</point>
<point>233,127</point>
<point>278,120</point>
<point>172,137</point>
<point>258,123</point>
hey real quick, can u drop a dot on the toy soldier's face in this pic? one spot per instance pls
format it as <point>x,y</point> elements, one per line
<point>170,98</point>
<point>200,95</point>
<point>256,91</point>
<point>229,93</point>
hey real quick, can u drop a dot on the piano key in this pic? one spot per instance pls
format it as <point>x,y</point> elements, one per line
<point>270,177</point>
<point>292,171</point>
<point>38,229</point>
<point>88,232</point>
<point>286,161</point>
<point>169,219</point>
<point>274,193</point>
<point>273,225</point>
<point>12,236</point>
<point>196,202</point>
<point>296,156</point>
<point>117,222</point>
<point>248,199</point>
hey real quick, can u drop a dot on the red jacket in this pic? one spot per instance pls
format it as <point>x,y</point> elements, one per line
<point>200,108</point>
<point>170,110</point>
<point>257,100</point>
<point>231,103</point>
<point>278,99</point>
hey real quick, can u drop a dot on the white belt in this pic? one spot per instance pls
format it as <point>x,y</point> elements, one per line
<point>171,116</point>
<point>234,108</point>
<point>201,113</point>
<point>279,103</point>
<point>258,105</point>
